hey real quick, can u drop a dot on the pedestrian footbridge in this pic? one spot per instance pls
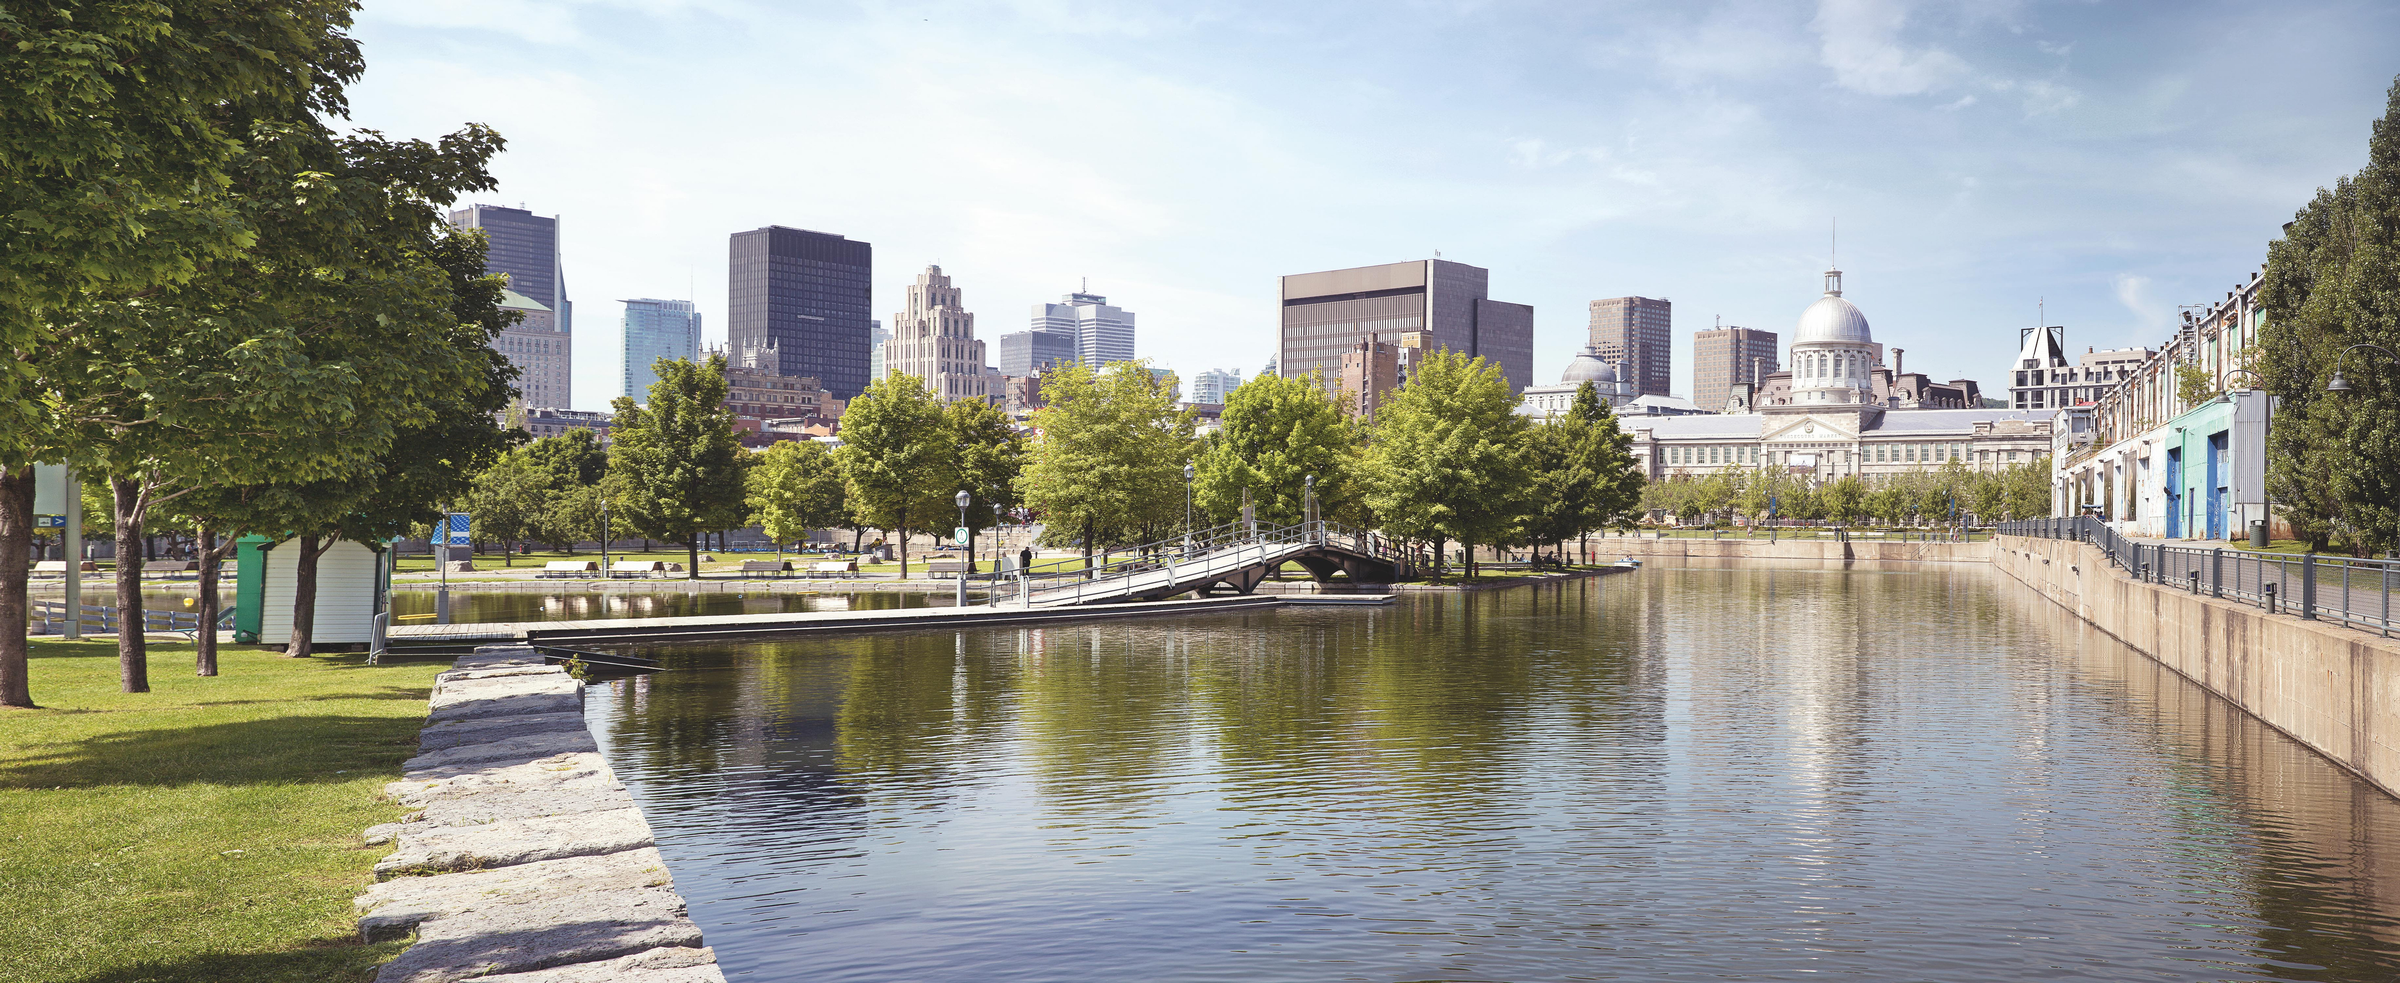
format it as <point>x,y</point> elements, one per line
<point>1233,557</point>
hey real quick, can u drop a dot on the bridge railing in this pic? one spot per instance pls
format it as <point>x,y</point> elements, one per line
<point>1229,546</point>
<point>2345,590</point>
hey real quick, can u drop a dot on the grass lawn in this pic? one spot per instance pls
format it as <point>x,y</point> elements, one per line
<point>206,831</point>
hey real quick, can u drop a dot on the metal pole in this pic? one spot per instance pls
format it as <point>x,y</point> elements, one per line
<point>969,560</point>
<point>73,503</point>
<point>2308,587</point>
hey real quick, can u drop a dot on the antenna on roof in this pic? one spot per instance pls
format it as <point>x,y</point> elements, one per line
<point>1833,246</point>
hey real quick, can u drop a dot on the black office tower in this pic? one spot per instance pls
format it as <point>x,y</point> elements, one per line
<point>805,294</point>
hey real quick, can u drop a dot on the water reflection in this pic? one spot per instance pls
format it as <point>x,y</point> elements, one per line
<point>1688,773</point>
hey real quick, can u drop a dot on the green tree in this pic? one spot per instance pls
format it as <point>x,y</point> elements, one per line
<point>2193,385</point>
<point>900,458</point>
<point>675,466</point>
<point>508,501</point>
<point>1448,455</point>
<point>2332,282</point>
<point>796,486</point>
<point>1108,466</point>
<point>2029,489</point>
<point>1843,498</point>
<point>991,457</point>
<point>1276,432</point>
<point>1584,473</point>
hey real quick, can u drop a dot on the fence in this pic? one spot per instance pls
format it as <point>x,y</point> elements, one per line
<point>2348,591</point>
<point>50,617</point>
<point>1158,565</point>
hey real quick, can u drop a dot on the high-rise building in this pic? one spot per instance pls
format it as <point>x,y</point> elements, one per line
<point>934,340</point>
<point>540,351</point>
<point>1102,333</point>
<point>524,246</point>
<point>875,339</point>
<point>1725,357</point>
<point>808,295</point>
<point>1024,353</point>
<point>655,329</point>
<point>1638,333</point>
<point>2042,379</point>
<point>1370,369</point>
<point>1447,305</point>
<point>1215,385</point>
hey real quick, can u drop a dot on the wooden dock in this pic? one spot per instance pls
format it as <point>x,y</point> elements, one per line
<point>730,626</point>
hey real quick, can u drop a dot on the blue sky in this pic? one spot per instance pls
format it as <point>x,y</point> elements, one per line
<point>2110,160</point>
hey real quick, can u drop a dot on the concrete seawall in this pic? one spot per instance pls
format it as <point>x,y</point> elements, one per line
<point>1808,548</point>
<point>526,860</point>
<point>2336,690</point>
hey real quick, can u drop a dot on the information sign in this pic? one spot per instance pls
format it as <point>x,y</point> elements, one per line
<point>459,526</point>
<point>49,522</point>
<point>959,534</point>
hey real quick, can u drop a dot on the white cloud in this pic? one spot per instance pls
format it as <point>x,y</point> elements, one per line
<point>1862,46</point>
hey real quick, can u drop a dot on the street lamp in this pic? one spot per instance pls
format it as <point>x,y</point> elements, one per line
<point>962,498</point>
<point>2341,385</point>
<point>1188,473</point>
<point>604,536</point>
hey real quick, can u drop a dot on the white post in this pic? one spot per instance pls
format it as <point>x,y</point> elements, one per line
<point>73,547</point>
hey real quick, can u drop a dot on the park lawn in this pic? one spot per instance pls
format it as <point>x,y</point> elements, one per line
<point>205,831</point>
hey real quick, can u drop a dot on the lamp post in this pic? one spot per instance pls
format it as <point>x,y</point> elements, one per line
<point>2341,385</point>
<point>1188,473</point>
<point>968,560</point>
<point>603,536</point>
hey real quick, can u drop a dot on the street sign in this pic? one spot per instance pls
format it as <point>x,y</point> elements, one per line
<point>959,534</point>
<point>49,522</point>
<point>458,529</point>
<point>50,489</point>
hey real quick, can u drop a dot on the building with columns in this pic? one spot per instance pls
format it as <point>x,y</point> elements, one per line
<point>1837,412</point>
<point>934,340</point>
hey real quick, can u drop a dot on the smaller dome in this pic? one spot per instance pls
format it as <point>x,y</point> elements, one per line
<point>1587,367</point>
<point>1832,320</point>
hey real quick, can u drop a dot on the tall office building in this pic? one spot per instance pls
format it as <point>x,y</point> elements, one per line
<point>1215,385</point>
<point>524,246</point>
<point>934,340</point>
<point>808,296</point>
<point>1102,333</point>
<point>655,329</point>
<point>876,336</point>
<point>540,351</point>
<point>1638,333</point>
<point>1444,305</point>
<point>1024,353</point>
<point>1725,357</point>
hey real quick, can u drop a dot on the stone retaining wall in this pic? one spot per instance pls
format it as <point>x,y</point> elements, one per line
<point>2334,689</point>
<point>526,860</point>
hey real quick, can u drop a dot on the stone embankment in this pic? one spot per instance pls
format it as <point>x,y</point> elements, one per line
<point>2334,689</point>
<point>526,860</point>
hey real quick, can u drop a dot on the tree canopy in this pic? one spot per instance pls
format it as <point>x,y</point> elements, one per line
<point>675,465</point>
<point>1275,433</point>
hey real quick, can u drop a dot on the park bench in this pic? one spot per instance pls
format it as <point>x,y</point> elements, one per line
<point>58,568</point>
<point>636,568</point>
<point>775,567</point>
<point>568,568</point>
<point>833,568</point>
<point>948,568</point>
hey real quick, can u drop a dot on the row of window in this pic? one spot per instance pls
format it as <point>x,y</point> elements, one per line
<point>1873,453</point>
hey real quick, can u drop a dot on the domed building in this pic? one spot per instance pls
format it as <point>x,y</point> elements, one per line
<point>1545,402</point>
<point>1833,353</point>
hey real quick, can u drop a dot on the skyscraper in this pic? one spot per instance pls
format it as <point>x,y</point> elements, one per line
<point>538,349</point>
<point>809,296</point>
<point>655,329</point>
<point>1638,333</point>
<point>1446,305</point>
<point>1214,385</point>
<point>1023,353</point>
<point>876,336</point>
<point>525,247</point>
<point>1102,333</point>
<point>1723,357</point>
<point>934,340</point>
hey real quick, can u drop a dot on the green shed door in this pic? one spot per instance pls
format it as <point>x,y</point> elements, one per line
<point>250,587</point>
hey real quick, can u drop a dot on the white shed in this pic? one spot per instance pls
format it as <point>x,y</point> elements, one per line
<point>352,585</point>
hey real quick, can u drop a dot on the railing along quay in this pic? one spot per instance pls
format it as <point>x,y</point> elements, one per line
<point>2316,587</point>
<point>1204,554</point>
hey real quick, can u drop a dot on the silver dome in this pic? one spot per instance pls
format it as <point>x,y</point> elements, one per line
<point>1832,320</point>
<point>1587,367</point>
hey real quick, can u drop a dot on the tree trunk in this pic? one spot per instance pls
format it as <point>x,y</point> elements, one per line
<point>691,547</point>
<point>211,565</point>
<point>904,551</point>
<point>1469,545</point>
<point>16,542</point>
<point>133,653</point>
<point>304,595</point>
<point>1087,546</point>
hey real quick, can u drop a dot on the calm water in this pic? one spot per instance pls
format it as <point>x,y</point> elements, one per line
<point>1680,774</point>
<point>649,601</point>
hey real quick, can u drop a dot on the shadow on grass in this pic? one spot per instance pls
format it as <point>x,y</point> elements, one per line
<point>299,748</point>
<point>321,959</point>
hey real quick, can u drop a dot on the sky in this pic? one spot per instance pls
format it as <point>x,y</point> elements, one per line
<point>1986,162</point>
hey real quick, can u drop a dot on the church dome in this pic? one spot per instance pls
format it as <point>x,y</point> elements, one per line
<point>1587,367</point>
<point>1832,320</point>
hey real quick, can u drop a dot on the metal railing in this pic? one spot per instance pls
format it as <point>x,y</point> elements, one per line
<point>1203,556</point>
<point>50,617</point>
<point>2316,587</point>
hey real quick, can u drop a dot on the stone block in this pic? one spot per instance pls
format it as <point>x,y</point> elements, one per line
<point>675,965</point>
<point>557,769</point>
<point>426,849</point>
<point>544,743</point>
<point>394,908</point>
<point>536,931</point>
<point>445,734</point>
